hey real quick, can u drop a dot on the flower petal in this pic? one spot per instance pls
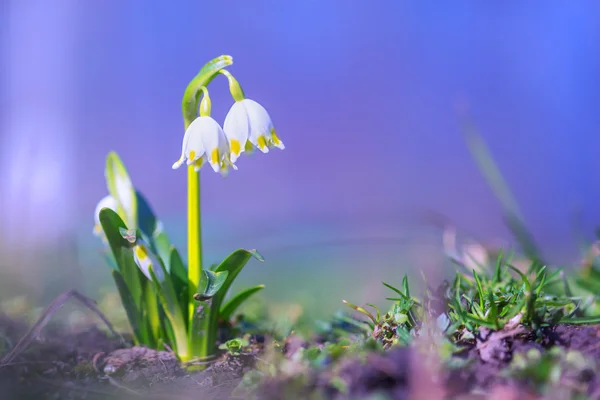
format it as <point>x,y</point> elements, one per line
<point>237,129</point>
<point>106,202</point>
<point>192,147</point>
<point>215,144</point>
<point>260,125</point>
<point>145,259</point>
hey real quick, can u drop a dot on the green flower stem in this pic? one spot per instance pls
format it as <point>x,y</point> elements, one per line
<point>234,87</point>
<point>189,108</point>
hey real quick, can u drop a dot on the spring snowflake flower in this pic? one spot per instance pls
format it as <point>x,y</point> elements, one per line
<point>145,259</point>
<point>204,141</point>
<point>106,202</point>
<point>248,124</point>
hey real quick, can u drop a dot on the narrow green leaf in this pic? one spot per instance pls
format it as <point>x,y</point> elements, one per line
<point>180,281</point>
<point>493,311</point>
<point>405,286</point>
<point>479,289</point>
<point>498,268</point>
<point>581,320</point>
<point>134,314</point>
<point>152,229</point>
<point>152,312</point>
<point>121,250</point>
<point>376,309</point>
<point>204,336</point>
<point>360,310</point>
<point>516,308</point>
<point>120,188</point>
<point>395,290</point>
<point>480,321</point>
<point>512,215</point>
<point>211,282</point>
<point>523,277</point>
<point>232,305</point>
<point>171,307</point>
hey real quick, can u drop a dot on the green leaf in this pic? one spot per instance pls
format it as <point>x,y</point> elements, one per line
<point>405,286</point>
<point>134,314</point>
<point>395,290</point>
<point>189,103</point>
<point>479,289</point>
<point>234,264</point>
<point>479,321</point>
<point>121,189</point>
<point>498,268</point>
<point>497,183</point>
<point>180,281</point>
<point>204,335</point>
<point>151,312</point>
<point>360,310</point>
<point>170,305</point>
<point>121,250</point>
<point>232,305</point>
<point>378,315</point>
<point>581,320</point>
<point>493,311</point>
<point>211,282</point>
<point>152,229</point>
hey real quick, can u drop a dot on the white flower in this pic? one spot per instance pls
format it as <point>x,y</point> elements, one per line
<point>248,121</point>
<point>205,141</point>
<point>145,259</point>
<point>106,202</point>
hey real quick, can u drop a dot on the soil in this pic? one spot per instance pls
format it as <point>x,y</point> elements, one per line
<point>90,364</point>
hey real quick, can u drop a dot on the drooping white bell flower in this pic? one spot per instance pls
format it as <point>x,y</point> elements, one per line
<point>247,122</point>
<point>106,202</point>
<point>145,259</point>
<point>204,141</point>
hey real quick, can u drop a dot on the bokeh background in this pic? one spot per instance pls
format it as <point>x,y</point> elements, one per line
<point>364,95</point>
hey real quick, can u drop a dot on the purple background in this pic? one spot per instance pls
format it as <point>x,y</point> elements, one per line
<point>363,94</point>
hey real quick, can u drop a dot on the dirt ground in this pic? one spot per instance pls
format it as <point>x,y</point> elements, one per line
<point>89,364</point>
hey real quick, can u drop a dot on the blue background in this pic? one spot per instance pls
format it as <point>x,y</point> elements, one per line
<point>364,96</point>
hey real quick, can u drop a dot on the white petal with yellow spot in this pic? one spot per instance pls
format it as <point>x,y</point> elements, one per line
<point>204,141</point>
<point>145,259</point>
<point>106,202</point>
<point>249,121</point>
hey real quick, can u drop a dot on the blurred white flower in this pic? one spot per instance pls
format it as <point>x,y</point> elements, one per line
<point>106,202</point>
<point>205,141</point>
<point>248,124</point>
<point>145,259</point>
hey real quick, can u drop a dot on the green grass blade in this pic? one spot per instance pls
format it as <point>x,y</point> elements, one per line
<point>395,290</point>
<point>523,277</point>
<point>581,320</point>
<point>405,286</point>
<point>498,268</point>
<point>497,183</point>
<point>479,289</point>
<point>232,305</point>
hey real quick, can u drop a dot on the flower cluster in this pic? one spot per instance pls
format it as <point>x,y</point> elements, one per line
<point>247,126</point>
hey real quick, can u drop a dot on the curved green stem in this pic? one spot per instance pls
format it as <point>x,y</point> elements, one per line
<point>189,108</point>
<point>234,87</point>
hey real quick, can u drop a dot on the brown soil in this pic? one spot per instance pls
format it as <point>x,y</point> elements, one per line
<point>90,364</point>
